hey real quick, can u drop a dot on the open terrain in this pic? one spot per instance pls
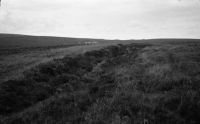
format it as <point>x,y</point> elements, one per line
<point>143,82</point>
<point>21,52</point>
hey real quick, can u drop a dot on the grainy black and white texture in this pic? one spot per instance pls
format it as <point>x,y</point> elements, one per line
<point>149,81</point>
<point>58,79</point>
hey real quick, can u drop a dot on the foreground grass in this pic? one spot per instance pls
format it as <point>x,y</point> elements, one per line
<point>125,84</point>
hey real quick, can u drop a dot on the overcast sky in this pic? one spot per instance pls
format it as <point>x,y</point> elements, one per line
<point>111,19</point>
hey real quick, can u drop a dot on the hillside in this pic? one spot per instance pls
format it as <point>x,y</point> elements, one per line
<point>21,52</point>
<point>26,41</point>
<point>147,82</point>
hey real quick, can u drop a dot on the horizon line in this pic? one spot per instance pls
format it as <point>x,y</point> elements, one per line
<point>56,36</point>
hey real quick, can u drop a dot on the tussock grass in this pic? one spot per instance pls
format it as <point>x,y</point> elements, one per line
<point>137,83</point>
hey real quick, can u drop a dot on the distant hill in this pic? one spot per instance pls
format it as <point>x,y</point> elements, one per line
<point>27,41</point>
<point>24,41</point>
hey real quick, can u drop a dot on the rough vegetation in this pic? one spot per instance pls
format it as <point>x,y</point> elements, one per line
<point>21,52</point>
<point>139,83</point>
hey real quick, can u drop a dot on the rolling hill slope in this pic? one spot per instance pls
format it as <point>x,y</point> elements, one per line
<point>21,52</point>
<point>26,41</point>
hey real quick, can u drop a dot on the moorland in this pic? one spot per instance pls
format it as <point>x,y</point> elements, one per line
<point>126,82</point>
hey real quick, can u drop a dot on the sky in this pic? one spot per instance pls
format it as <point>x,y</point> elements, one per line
<point>107,19</point>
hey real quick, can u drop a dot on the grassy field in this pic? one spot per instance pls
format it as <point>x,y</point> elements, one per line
<point>10,41</point>
<point>143,82</point>
<point>20,52</point>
